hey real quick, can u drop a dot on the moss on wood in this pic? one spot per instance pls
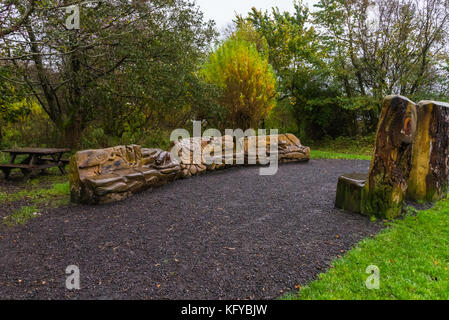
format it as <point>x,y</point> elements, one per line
<point>383,193</point>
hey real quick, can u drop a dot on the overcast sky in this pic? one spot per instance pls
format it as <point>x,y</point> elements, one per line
<point>224,11</point>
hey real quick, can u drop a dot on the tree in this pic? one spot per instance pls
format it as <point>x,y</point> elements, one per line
<point>127,56</point>
<point>11,20</point>
<point>336,64</point>
<point>246,79</point>
<point>383,47</point>
<point>13,102</point>
<point>299,60</point>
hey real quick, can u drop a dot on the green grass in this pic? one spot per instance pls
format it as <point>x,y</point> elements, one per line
<point>360,148</point>
<point>21,215</point>
<point>412,256</point>
<point>45,191</point>
<point>38,195</point>
<point>362,145</point>
<point>4,158</point>
<point>320,154</point>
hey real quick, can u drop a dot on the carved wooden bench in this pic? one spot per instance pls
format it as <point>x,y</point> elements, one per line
<point>381,192</point>
<point>106,175</point>
<point>289,149</point>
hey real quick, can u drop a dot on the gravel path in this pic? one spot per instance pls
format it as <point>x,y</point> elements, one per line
<point>230,234</point>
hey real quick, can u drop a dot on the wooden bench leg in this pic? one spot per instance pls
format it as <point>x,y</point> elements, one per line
<point>6,172</point>
<point>60,164</point>
<point>62,169</point>
<point>26,173</point>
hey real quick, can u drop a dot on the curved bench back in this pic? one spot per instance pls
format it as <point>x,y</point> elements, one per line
<point>381,192</point>
<point>91,163</point>
<point>429,176</point>
<point>392,158</point>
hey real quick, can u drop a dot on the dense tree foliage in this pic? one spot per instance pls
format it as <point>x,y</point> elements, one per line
<point>128,61</point>
<point>336,64</point>
<point>246,79</point>
<point>297,56</point>
<point>13,101</point>
<point>135,70</point>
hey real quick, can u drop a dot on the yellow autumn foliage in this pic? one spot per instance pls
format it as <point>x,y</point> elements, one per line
<point>247,81</point>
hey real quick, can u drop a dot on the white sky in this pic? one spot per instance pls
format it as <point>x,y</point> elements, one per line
<point>224,11</point>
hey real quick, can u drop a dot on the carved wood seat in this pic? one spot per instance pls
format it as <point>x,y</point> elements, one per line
<point>106,175</point>
<point>381,192</point>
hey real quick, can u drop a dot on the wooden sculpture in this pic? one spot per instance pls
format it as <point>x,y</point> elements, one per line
<point>429,175</point>
<point>381,192</point>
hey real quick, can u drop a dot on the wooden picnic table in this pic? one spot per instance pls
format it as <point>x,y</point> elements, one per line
<point>37,159</point>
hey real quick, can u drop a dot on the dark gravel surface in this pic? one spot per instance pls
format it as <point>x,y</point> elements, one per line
<point>230,234</point>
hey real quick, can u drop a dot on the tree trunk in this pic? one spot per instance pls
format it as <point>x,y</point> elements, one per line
<point>72,133</point>
<point>429,176</point>
<point>1,133</point>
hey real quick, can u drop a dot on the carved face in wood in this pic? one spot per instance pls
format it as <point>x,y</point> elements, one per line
<point>398,121</point>
<point>409,124</point>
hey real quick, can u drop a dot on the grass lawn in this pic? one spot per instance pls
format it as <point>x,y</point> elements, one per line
<point>36,194</point>
<point>360,148</point>
<point>412,256</point>
<point>324,154</point>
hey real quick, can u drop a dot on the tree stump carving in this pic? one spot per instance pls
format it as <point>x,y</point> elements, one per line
<point>381,192</point>
<point>429,175</point>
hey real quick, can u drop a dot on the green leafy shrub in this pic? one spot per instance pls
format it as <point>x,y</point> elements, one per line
<point>246,79</point>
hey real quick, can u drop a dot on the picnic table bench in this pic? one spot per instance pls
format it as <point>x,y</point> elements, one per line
<point>37,159</point>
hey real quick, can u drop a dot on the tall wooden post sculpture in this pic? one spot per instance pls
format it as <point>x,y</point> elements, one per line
<point>382,191</point>
<point>429,175</point>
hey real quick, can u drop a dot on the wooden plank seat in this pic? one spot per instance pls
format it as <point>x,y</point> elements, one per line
<point>36,159</point>
<point>63,161</point>
<point>38,151</point>
<point>26,169</point>
<point>16,165</point>
<point>27,166</point>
